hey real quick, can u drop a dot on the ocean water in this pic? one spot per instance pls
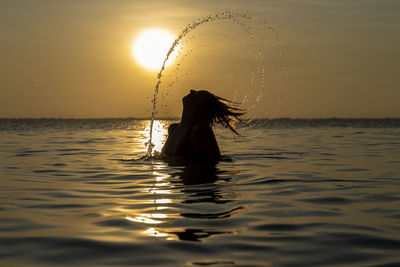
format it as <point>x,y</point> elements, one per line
<point>291,193</point>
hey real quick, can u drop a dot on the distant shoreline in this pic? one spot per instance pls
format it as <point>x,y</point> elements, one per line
<point>177,118</point>
<point>23,124</point>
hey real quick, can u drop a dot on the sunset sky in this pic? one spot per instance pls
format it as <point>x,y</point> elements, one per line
<point>73,59</point>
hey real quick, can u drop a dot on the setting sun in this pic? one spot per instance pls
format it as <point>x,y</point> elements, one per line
<point>151,47</point>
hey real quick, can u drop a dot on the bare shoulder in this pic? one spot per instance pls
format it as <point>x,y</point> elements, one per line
<point>172,128</point>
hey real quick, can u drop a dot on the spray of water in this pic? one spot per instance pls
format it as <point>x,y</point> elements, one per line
<point>234,17</point>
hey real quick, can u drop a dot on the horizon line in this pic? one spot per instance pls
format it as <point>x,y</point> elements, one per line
<point>177,118</point>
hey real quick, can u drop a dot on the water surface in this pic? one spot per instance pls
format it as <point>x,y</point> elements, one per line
<point>294,193</point>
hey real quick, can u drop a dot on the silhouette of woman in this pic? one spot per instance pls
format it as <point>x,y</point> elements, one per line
<point>193,140</point>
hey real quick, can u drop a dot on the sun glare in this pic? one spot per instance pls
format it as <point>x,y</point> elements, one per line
<point>151,47</point>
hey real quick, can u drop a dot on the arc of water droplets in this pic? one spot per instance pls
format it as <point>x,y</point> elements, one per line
<point>234,99</point>
<point>235,17</point>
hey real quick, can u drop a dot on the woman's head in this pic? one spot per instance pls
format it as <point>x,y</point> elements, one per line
<point>214,109</point>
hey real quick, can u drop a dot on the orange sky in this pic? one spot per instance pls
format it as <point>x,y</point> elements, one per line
<point>73,59</point>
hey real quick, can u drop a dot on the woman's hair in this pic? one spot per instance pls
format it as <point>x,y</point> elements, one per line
<point>224,112</point>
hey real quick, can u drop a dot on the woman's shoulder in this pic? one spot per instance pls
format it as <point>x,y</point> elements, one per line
<point>172,127</point>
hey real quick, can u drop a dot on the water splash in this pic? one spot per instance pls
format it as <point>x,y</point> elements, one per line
<point>236,18</point>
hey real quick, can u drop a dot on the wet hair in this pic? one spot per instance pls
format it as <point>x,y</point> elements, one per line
<point>224,112</point>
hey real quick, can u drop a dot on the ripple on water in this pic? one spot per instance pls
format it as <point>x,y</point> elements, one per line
<point>56,250</point>
<point>9,225</point>
<point>336,203</point>
<point>328,200</point>
<point>208,215</point>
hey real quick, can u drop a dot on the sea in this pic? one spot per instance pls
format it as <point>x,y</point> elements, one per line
<point>288,192</point>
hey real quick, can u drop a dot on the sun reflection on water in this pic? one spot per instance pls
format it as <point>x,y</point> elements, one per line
<point>160,131</point>
<point>144,218</point>
<point>159,191</point>
<point>153,232</point>
<point>164,193</point>
<point>163,201</point>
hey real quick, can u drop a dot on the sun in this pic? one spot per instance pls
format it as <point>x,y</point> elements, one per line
<point>151,47</point>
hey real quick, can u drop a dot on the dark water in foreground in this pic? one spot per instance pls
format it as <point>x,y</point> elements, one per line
<point>296,193</point>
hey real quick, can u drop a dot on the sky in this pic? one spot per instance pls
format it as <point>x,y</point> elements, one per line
<point>73,59</point>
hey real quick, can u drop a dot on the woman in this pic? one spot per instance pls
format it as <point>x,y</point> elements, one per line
<point>193,139</point>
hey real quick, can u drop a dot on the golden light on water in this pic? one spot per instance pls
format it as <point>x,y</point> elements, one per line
<point>151,46</point>
<point>153,232</point>
<point>163,201</point>
<point>159,134</point>
<point>161,187</point>
<point>145,218</point>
